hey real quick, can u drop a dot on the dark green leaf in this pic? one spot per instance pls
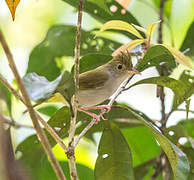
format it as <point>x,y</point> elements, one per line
<point>188,126</point>
<point>114,160</point>
<point>155,56</point>
<point>142,170</point>
<point>178,87</point>
<point>92,61</point>
<point>48,110</point>
<point>190,155</point>
<point>187,79</point>
<point>5,95</point>
<point>177,158</point>
<point>102,15</point>
<point>188,42</point>
<point>60,41</point>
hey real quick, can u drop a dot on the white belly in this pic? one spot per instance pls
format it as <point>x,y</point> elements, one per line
<point>88,98</point>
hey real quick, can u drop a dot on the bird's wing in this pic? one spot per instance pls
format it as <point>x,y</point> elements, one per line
<point>92,80</point>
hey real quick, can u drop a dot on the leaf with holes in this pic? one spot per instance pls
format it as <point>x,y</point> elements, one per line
<point>103,16</point>
<point>187,79</point>
<point>101,4</point>
<point>155,56</point>
<point>120,25</point>
<point>114,160</point>
<point>12,4</point>
<point>178,160</point>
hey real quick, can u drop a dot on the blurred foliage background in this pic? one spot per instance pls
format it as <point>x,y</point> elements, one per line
<point>35,17</point>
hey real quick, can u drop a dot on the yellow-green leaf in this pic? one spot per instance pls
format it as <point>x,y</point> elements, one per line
<point>139,28</point>
<point>129,46</point>
<point>180,57</point>
<point>12,4</point>
<point>151,28</point>
<point>120,25</point>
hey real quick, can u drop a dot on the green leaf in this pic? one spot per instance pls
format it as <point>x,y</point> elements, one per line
<point>92,61</point>
<point>101,4</point>
<point>178,160</point>
<point>114,160</point>
<point>176,86</point>
<point>142,170</point>
<point>187,79</point>
<point>188,42</point>
<point>43,170</point>
<point>188,126</point>
<point>60,41</point>
<point>142,138</point>
<point>102,15</point>
<point>5,95</point>
<point>190,155</point>
<point>155,56</point>
<point>48,110</point>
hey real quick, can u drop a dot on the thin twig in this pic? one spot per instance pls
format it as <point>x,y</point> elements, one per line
<point>45,143</point>
<point>84,131</point>
<point>4,81</point>
<point>9,121</point>
<point>43,122</point>
<point>70,153</point>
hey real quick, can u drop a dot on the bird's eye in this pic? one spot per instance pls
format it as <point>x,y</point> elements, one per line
<point>119,67</point>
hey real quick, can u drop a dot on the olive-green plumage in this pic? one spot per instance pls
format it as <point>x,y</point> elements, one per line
<point>99,84</point>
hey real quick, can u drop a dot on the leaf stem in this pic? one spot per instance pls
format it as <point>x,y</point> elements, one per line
<point>45,143</point>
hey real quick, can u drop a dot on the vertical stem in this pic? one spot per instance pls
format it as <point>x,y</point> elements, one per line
<point>160,89</point>
<point>166,171</point>
<point>45,143</point>
<point>70,153</point>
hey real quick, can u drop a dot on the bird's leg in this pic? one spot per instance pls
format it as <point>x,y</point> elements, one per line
<point>107,108</point>
<point>95,116</point>
<point>102,107</point>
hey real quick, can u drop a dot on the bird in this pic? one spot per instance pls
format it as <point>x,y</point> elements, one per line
<point>98,85</point>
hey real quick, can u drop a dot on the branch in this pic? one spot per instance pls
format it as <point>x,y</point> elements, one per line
<point>9,121</point>
<point>40,132</point>
<point>70,153</point>
<point>43,122</point>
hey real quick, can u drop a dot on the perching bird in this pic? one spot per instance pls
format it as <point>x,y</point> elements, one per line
<point>99,84</point>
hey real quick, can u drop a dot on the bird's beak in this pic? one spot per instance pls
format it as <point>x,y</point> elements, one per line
<point>133,71</point>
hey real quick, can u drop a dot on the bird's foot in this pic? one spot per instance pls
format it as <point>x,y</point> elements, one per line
<point>107,108</point>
